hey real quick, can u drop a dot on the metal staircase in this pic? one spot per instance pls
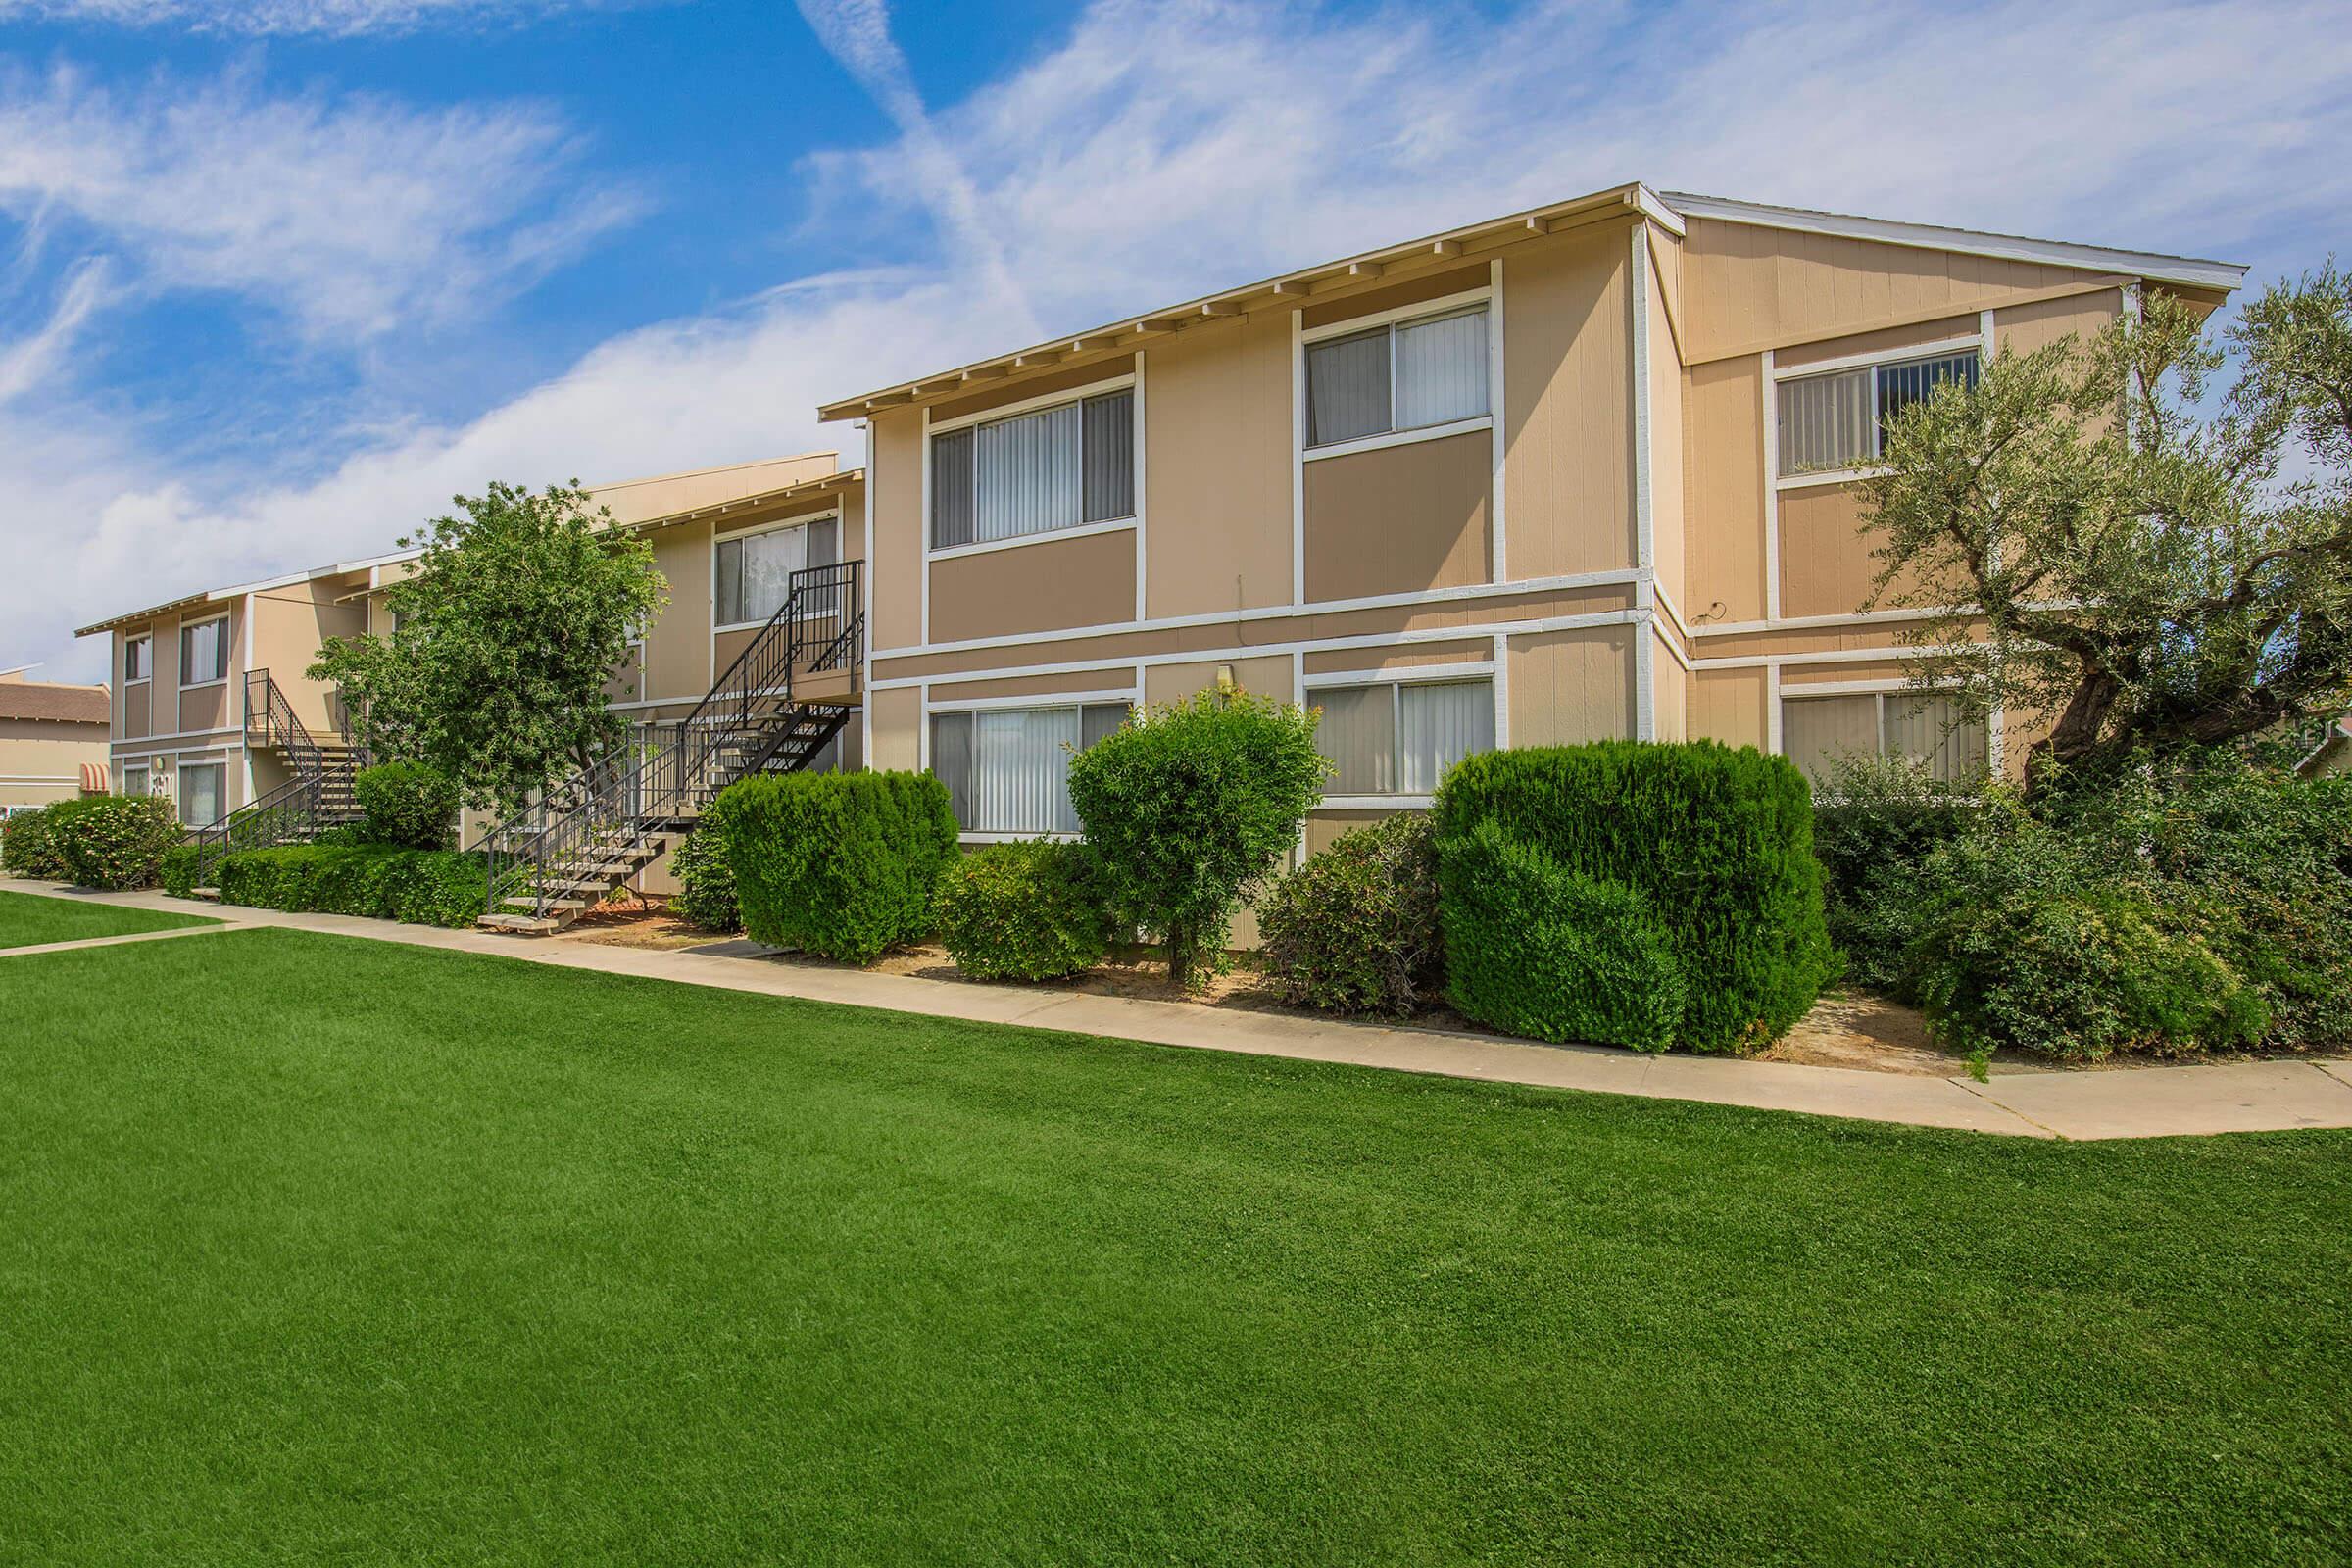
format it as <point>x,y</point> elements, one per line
<point>317,796</point>
<point>570,850</point>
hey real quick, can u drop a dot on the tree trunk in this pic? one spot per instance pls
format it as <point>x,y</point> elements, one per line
<point>1180,959</point>
<point>2076,735</point>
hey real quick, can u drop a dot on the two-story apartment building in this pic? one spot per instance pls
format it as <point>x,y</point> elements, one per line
<point>1577,472</point>
<point>53,742</point>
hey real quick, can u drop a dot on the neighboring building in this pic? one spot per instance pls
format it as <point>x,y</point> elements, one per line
<point>1578,473</point>
<point>2333,756</point>
<point>52,742</point>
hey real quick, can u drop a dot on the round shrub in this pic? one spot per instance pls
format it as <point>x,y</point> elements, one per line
<point>407,803</point>
<point>1355,928</point>
<point>28,839</point>
<point>839,864</point>
<point>115,842</point>
<point>706,880</point>
<point>1537,951</point>
<point>1028,911</point>
<point>1718,843</point>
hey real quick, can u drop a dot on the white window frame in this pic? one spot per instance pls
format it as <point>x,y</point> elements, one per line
<point>1124,382</point>
<point>716,539</point>
<point>1979,341</point>
<point>146,779</point>
<point>1783,692</point>
<point>179,795</point>
<point>227,653</point>
<point>1132,696</point>
<point>146,639</point>
<point>1401,315</point>
<point>1461,674</point>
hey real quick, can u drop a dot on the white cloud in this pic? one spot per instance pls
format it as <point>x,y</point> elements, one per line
<point>328,17</point>
<point>354,216</point>
<point>1164,149</point>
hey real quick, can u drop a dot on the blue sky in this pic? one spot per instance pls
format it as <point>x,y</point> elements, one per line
<point>278,277</point>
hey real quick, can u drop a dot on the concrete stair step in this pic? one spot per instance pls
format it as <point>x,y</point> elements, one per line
<point>524,926</point>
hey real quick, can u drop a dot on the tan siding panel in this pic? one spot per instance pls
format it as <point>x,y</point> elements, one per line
<point>898,549</point>
<point>1722,461</point>
<point>677,650</point>
<point>1266,676</point>
<point>1396,296</point>
<point>1047,586</point>
<point>1860,669</point>
<point>1572,686</point>
<point>1325,827</point>
<point>1888,340</point>
<point>898,717</point>
<point>1400,519</point>
<point>2023,328</point>
<point>1568,401</point>
<point>1062,378</point>
<point>136,708</point>
<point>1112,678</point>
<point>1341,660</point>
<point>1727,706</point>
<point>1217,467</point>
<point>1827,568</point>
<point>1665,444</point>
<point>1669,699</point>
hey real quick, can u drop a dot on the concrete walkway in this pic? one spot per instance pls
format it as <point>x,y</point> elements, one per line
<point>2117,1102</point>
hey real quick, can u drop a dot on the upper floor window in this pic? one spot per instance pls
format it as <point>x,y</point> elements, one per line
<point>1816,731</point>
<point>137,656</point>
<point>1405,375</point>
<point>1399,737</point>
<point>755,569</point>
<point>1838,420</point>
<point>1007,770</point>
<point>1050,469</point>
<point>204,652</point>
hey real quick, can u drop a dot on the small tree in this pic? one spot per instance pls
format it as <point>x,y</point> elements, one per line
<point>2091,546</point>
<point>504,640</point>
<point>1190,807</point>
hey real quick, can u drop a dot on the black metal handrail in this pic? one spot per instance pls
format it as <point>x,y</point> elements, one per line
<point>296,809</point>
<point>597,817</point>
<point>269,720</point>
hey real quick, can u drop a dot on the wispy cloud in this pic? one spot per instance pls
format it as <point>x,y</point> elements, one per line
<point>293,18</point>
<point>34,360</point>
<point>1163,149</point>
<point>352,215</point>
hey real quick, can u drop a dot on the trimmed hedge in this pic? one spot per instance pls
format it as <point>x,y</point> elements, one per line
<point>28,840</point>
<point>839,864</point>
<point>176,871</point>
<point>1545,952</point>
<point>407,803</point>
<point>706,880</point>
<point>382,881</point>
<point>116,842</point>
<point>1355,928</point>
<point>1027,911</point>
<point>1717,843</point>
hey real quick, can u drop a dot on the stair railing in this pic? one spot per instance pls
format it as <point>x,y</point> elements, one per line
<point>603,814</point>
<point>269,720</point>
<point>295,808</point>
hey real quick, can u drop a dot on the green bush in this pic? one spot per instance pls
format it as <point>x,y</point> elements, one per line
<point>706,880</point>
<point>1875,825</point>
<point>407,803</point>
<point>176,871</point>
<point>1539,950</point>
<point>1029,910</point>
<point>115,842</point>
<point>28,840</point>
<point>1191,806</point>
<point>840,865</point>
<point>1355,928</point>
<point>1717,843</point>
<point>382,881</point>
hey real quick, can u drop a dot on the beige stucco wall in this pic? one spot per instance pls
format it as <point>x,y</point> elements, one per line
<point>41,760</point>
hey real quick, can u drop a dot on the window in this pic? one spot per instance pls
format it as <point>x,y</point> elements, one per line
<point>1838,420</point>
<point>203,793</point>
<point>1007,770</point>
<point>1057,468</point>
<point>134,781</point>
<point>755,569</point>
<point>1815,731</point>
<point>1399,737</point>
<point>1408,376</point>
<point>204,652</point>
<point>137,653</point>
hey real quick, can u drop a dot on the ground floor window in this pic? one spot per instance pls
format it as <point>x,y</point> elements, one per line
<point>1399,737</point>
<point>203,793</point>
<point>1007,770</point>
<point>134,781</point>
<point>1816,731</point>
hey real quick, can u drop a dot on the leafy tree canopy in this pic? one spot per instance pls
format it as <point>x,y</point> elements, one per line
<point>504,640</point>
<point>2089,542</point>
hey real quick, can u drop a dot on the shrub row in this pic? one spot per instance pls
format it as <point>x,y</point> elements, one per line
<point>111,842</point>
<point>28,839</point>
<point>385,882</point>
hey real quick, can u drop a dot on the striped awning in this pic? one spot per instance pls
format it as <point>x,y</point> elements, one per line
<point>93,778</point>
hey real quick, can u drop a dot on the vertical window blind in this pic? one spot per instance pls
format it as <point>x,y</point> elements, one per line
<point>1056,468</point>
<point>1840,420</point>
<point>1405,377</point>
<point>204,653</point>
<point>135,659</point>
<point>1399,738</point>
<point>754,571</point>
<point>201,793</point>
<point>1817,732</point>
<point>1007,770</point>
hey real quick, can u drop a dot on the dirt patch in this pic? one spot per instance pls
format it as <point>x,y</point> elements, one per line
<point>1853,1030</point>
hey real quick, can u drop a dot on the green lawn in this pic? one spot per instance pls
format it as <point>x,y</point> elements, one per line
<point>322,1250</point>
<point>28,920</point>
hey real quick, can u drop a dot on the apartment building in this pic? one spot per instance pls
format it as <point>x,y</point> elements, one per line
<point>53,742</point>
<point>1578,473</point>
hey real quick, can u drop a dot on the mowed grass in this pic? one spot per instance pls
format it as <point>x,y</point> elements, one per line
<point>322,1250</point>
<point>28,919</point>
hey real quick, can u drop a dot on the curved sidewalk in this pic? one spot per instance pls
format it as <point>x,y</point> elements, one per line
<point>2120,1103</point>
